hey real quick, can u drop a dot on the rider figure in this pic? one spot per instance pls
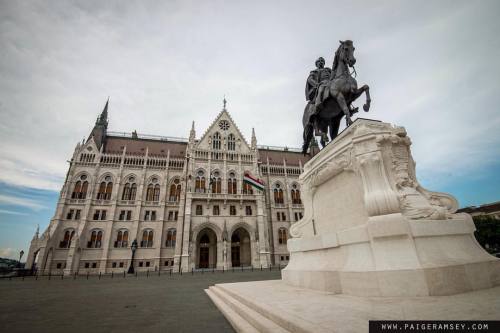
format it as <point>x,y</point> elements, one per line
<point>317,82</point>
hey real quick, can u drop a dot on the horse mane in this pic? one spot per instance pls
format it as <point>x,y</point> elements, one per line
<point>336,60</point>
<point>337,55</point>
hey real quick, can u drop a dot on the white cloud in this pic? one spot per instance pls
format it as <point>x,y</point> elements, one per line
<point>22,202</point>
<point>9,253</point>
<point>12,212</point>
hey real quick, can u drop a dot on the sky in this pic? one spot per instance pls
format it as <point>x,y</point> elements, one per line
<point>432,67</point>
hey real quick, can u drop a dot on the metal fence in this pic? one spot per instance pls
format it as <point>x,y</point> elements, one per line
<point>30,275</point>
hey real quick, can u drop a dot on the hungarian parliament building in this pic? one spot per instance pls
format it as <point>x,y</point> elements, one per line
<point>160,203</point>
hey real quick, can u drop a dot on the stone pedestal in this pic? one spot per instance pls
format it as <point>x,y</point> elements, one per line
<point>370,229</point>
<point>371,233</point>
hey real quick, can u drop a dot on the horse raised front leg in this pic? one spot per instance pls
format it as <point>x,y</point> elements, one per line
<point>343,105</point>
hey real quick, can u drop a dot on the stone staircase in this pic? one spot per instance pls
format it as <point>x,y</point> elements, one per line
<point>247,315</point>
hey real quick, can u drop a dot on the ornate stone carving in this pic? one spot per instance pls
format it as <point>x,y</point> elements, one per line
<point>380,199</point>
<point>310,183</point>
<point>412,201</point>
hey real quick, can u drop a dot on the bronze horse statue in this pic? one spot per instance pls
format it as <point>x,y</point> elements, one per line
<point>335,102</point>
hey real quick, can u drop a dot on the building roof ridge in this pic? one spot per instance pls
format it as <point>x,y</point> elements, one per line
<point>142,136</point>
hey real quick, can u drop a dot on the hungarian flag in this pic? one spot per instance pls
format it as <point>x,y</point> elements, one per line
<point>255,182</point>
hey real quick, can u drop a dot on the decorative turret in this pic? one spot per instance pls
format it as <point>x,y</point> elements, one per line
<point>37,232</point>
<point>254,140</point>
<point>314,147</point>
<point>192,134</point>
<point>100,128</point>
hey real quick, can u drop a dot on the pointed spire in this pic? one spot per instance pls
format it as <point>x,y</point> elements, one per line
<point>37,232</point>
<point>103,118</point>
<point>100,127</point>
<point>254,139</point>
<point>224,102</point>
<point>192,133</point>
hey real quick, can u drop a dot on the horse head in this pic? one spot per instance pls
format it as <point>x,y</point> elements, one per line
<point>345,52</point>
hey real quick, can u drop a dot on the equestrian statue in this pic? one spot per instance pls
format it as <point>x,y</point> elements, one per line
<point>329,95</point>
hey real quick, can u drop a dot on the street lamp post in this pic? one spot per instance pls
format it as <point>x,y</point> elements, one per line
<point>134,248</point>
<point>20,256</point>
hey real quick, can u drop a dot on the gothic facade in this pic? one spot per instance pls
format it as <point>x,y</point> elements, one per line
<point>183,201</point>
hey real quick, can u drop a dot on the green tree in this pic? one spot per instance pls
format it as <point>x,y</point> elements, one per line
<point>488,232</point>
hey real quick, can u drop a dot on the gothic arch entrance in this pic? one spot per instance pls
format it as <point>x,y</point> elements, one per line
<point>240,248</point>
<point>207,249</point>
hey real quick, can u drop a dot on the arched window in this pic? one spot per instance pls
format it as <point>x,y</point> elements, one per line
<point>147,238</point>
<point>156,194</point>
<point>80,189</point>
<point>126,192</point>
<point>105,189</point>
<point>133,191</point>
<point>95,239</point>
<point>153,191</point>
<point>109,189</point>
<point>175,190</point>
<point>121,238</point>
<point>102,191</point>
<point>77,189</point>
<point>83,192</point>
<point>216,142</point>
<point>171,236</point>
<point>68,237</point>
<point>216,182</point>
<point>295,192</point>
<point>231,142</point>
<point>199,184</point>
<point>149,193</point>
<point>231,183</point>
<point>278,194</point>
<point>282,236</point>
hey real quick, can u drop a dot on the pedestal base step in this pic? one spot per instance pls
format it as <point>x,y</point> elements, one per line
<point>243,317</point>
<point>273,306</point>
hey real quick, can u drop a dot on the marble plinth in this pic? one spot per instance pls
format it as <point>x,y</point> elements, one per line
<point>370,229</point>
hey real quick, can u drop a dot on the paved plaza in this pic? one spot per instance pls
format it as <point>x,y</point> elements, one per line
<point>144,304</point>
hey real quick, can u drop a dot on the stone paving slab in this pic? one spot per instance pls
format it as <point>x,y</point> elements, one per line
<point>155,304</point>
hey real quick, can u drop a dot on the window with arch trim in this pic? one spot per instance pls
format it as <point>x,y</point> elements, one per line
<point>129,191</point>
<point>68,237</point>
<point>231,142</point>
<point>147,238</point>
<point>121,238</point>
<point>231,184</point>
<point>171,237</point>
<point>105,189</point>
<point>80,189</point>
<point>278,194</point>
<point>175,191</point>
<point>153,192</point>
<point>216,182</point>
<point>295,194</point>
<point>199,184</point>
<point>95,241</point>
<point>282,236</point>
<point>216,142</point>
